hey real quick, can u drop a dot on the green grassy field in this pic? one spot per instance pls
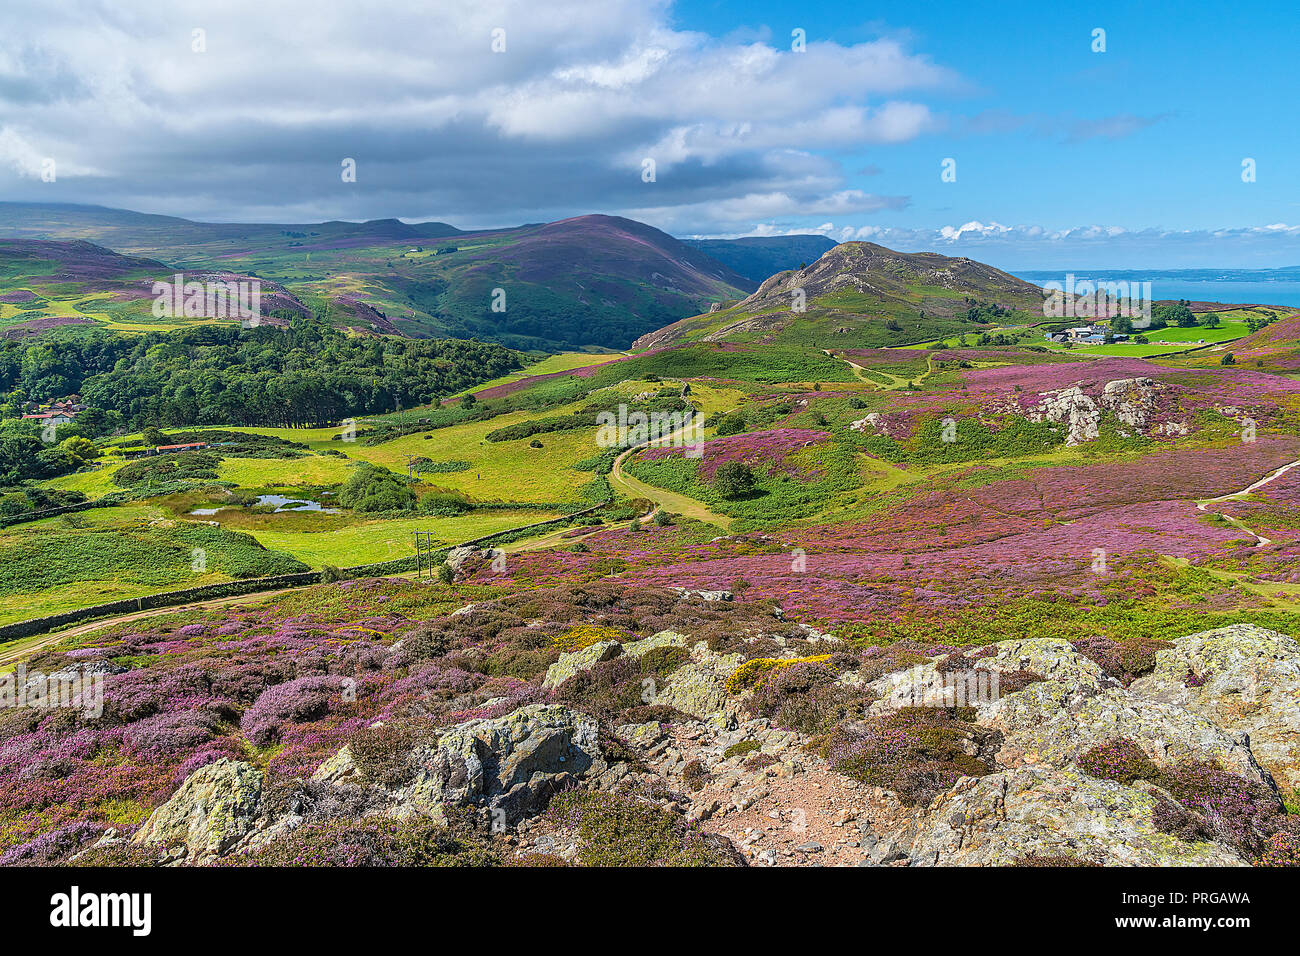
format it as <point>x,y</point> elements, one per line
<point>62,563</point>
<point>370,542</point>
<point>1164,341</point>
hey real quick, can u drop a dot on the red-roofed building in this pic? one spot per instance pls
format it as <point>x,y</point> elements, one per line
<point>192,446</point>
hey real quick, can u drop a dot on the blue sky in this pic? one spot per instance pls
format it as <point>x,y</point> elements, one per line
<point>1064,157</point>
<point>1149,135</point>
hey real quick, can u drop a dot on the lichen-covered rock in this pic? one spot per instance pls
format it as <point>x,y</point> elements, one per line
<point>699,687</point>
<point>1052,659</point>
<point>662,639</point>
<point>1072,407</point>
<point>1005,817</point>
<point>211,811</point>
<point>927,685</point>
<point>1046,724</point>
<point>1131,400</point>
<point>1246,679</point>
<point>643,736</point>
<point>1057,720</point>
<point>341,768</point>
<point>583,659</point>
<point>704,595</point>
<point>484,760</point>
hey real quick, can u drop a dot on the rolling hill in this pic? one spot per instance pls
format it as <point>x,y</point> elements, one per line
<point>47,284</point>
<point>862,294</point>
<point>587,282</point>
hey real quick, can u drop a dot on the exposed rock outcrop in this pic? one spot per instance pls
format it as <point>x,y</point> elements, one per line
<point>1243,678</point>
<point>1005,817</point>
<point>511,765</point>
<point>214,808</point>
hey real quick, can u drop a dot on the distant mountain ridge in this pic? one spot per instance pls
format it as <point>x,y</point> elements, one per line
<point>586,281</point>
<point>758,257</point>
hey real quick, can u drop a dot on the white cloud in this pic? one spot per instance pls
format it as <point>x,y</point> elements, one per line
<point>439,124</point>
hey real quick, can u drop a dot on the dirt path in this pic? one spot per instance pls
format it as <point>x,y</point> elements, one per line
<point>1260,540</point>
<point>896,382</point>
<point>668,500</point>
<point>25,647</point>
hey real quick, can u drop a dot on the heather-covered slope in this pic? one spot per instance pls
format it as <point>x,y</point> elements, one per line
<point>588,281</point>
<point>45,284</point>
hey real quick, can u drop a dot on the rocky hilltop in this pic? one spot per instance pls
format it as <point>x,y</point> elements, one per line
<point>853,283</point>
<point>734,737</point>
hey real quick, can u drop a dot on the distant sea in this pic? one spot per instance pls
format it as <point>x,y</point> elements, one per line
<point>1264,286</point>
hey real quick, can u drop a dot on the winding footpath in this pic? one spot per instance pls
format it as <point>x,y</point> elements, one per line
<point>1260,540</point>
<point>668,500</point>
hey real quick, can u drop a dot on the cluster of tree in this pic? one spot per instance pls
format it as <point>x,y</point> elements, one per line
<point>984,312</point>
<point>372,490</point>
<point>193,465</point>
<point>1178,314</point>
<point>15,503</point>
<point>308,374</point>
<point>1256,320</point>
<point>26,455</point>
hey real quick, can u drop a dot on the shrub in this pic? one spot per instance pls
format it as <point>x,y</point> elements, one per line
<point>1283,849</point>
<point>1124,660</point>
<point>370,842</point>
<point>662,661</point>
<point>1120,760</point>
<point>917,752</point>
<point>695,776</point>
<point>584,635</point>
<point>618,830</point>
<point>297,701</point>
<point>1053,860</point>
<point>732,423</point>
<point>382,752</point>
<point>52,846</point>
<point>373,489</point>
<point>733,479</point>
<point>443,503</point>
<point>750,673</point>
<point>1208,803</point>
<point>741,749</point>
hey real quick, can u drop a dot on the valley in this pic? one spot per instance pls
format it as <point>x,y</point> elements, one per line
<point>729,620</point>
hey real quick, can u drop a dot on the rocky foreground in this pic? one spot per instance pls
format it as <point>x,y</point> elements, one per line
<point>1032,751</point>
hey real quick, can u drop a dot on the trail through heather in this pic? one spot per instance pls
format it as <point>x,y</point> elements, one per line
<point>1260,540</point>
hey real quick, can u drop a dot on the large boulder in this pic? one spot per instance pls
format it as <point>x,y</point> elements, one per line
<point>1075,707</point>
<point>1246,679</point>
<point>584,659</point>
<point>214,808</point>
<point>1046,724</point>
<point>1005,817</point>
<point>699,687</point>
<point>511,765</point>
